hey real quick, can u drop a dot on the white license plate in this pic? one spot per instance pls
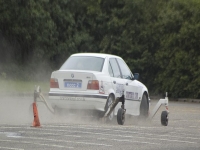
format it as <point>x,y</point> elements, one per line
<point>69,84</point>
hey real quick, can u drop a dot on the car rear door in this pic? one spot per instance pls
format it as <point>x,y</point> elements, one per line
<point>116,77</point>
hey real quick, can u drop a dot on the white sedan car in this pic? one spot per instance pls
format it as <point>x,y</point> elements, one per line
<point>92,81</point>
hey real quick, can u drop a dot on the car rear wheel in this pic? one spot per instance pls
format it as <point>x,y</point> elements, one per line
<point>144,107</point>
<point>120,116</point>
<point>110,100</point>
<point>164,118</point>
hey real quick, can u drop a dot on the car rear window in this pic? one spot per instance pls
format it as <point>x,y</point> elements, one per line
<point>83,63</point>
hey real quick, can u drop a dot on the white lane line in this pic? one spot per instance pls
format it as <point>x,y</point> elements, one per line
<point>66,141</point>
<point>36,143</point>
<point>150,134</point>
<point>106,127</point>
<point>180,141</point>
<point>186,135</point>
<point>109,130</point>
<point>125,136</point>
<point>5,127</point>
<point>95,127</point>
<point>169,140</point>
<point>10,148</point>
<point>132,141</point>
<point>87,126</point>
<point>174,121</point>
<point>196,127</point>
<point>170,136</point>
<point>89,133</point>
<point>31,132</point>
<point>112,130</point>
<point>129,136</point>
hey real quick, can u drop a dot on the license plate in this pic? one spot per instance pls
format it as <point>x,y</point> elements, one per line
<point>73,84</point>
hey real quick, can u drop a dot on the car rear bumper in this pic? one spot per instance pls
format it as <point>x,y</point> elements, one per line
<point>78,101</point>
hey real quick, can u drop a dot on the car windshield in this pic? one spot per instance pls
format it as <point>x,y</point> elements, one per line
<point>83,63</point>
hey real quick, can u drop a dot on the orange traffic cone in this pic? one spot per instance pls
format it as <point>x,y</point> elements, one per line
<point>36,121</point>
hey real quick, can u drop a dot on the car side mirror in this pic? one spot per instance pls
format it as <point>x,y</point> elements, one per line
<point>136,76</point>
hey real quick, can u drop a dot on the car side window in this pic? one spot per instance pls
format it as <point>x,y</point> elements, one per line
<point>115,68</point>
<point>126,73</point>
<point>110,70</point>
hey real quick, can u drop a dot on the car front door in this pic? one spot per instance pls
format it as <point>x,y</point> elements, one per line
<point>131,86</point>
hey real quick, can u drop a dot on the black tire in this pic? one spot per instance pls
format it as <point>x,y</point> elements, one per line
<point>120,116</point>
<point>108,104</point>
<point>164,118</point>
<point>144,107</point>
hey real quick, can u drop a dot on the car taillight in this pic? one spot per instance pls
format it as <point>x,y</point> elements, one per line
<point>93,85</point>
<point>54,83</point>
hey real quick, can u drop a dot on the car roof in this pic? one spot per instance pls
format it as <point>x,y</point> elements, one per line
<point>95,54</point>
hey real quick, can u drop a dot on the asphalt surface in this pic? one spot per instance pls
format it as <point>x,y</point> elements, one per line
<point>85,132</point>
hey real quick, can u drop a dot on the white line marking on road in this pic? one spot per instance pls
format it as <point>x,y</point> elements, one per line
<point>126,136</point>
<point>86,143</point>
<point>90,133</point>
<point>132,141</point>
<point>105,128</point>
<point>185,134</point>
<point>193,138</point>
<point>174,121</point>
<point>170,140</point>
<point>170,136</point>
<point>3,127</point>
<point>11,148</point>
<point>85,127</point>
<point>140,133</point>
<point>35,143</point>
<point>111,134</point>
<point>48,133</point>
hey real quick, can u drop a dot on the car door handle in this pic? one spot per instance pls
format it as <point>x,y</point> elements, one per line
<point>114,82</point>
<point>126,83</point>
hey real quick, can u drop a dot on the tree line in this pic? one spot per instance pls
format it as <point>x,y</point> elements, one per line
<point>160,39</point>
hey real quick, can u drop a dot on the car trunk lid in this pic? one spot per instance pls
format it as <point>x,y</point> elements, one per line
<point>73,80</point>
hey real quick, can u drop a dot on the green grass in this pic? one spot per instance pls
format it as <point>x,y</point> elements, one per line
<point>18,86</point>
